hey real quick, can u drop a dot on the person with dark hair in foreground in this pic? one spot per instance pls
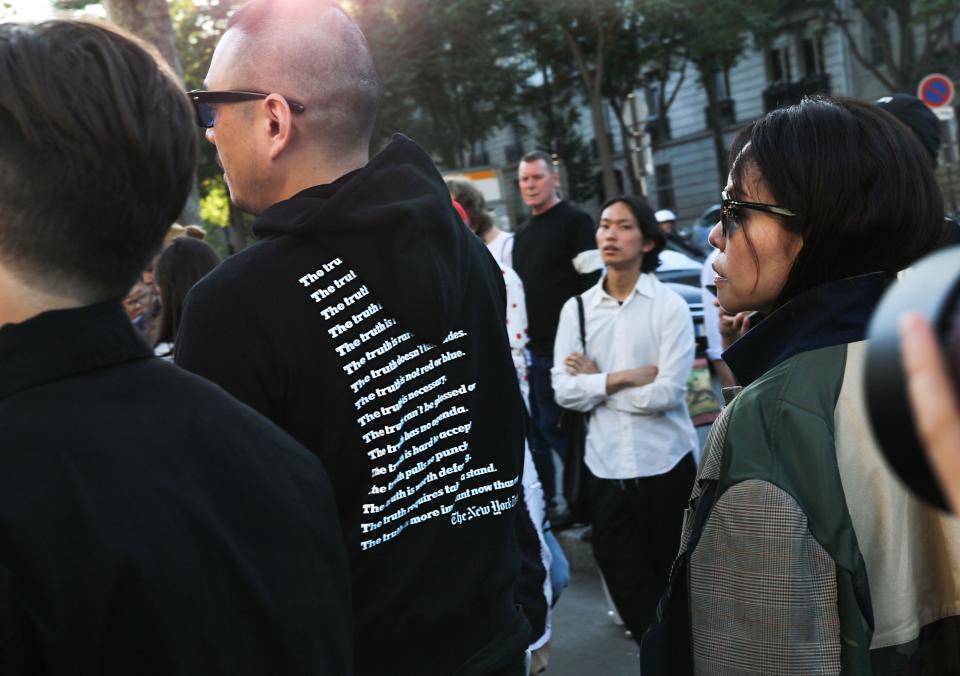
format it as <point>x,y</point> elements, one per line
<point>181,265</point>
<point>631,377</point>
<point>802,552</point>
<point>151,524</point>
<point>367,321</point>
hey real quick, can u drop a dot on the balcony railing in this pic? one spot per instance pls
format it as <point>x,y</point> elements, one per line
<point>659,130</point>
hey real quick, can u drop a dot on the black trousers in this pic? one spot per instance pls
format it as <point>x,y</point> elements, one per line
<point>636,535</point>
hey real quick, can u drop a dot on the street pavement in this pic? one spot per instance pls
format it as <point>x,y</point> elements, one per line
<point>585,640</point>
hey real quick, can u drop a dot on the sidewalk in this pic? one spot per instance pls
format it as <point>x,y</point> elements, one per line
<point>585,640</point>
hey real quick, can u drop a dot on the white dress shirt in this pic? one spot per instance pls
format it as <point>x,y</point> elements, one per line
<point>638,431</point>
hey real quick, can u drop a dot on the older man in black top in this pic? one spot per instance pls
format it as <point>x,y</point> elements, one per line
<point>556,256</point>
<point>149,522</point>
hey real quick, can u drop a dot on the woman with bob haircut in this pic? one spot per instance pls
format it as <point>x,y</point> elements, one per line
<point>801,552</point>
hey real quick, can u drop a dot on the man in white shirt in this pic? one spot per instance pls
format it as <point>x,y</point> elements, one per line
<point>631,377</point>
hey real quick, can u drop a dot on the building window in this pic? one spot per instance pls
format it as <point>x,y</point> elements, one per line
<point>664,178</point>
<point>652,95</point>
<point>478,154</point>
<point>659,129</point>
<point>722,84</point>
<point>874,47</point>
<point>778,62</point>
<point>514,150</point>
<point>812,49</point>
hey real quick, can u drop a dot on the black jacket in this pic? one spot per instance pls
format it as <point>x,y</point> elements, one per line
<point>369,323</point>
<point>150,523</point>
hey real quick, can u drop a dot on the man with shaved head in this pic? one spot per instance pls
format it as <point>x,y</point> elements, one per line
<point>367,322</point>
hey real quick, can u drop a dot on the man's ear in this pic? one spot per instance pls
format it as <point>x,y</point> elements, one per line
<point>279,119</point>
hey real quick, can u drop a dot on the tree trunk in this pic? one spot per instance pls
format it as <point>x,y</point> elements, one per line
<point>591,83</point>
<point>716,129</point>
<point>150,20</point>
<point>626,136</point>
<point>603,146</point>
<point>552,132</point>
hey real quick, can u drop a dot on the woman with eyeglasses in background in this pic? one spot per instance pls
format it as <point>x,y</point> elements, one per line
<point>801,553</point>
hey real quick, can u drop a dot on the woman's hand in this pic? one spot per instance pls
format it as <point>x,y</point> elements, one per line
<point>733,326</point>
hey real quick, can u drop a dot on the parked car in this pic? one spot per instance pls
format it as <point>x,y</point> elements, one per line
<point>700,229</point>
<point>682,274</point>
<point>694,299</point>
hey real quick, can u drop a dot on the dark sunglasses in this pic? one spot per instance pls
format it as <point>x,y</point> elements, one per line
<point>207,114</point>
<point>729,215</point>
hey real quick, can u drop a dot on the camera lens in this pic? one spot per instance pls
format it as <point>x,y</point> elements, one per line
<point>931,288</point>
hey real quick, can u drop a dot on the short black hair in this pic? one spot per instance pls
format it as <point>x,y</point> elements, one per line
<point>181,265</point>
<point>97,157</point>
<point>334,72</point>
<point>858,180</point>
<point>649,228</point>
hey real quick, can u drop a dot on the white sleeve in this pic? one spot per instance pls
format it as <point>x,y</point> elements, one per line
<point>588,261</point>
<point>581,392</point>
<point>674,362</point>
<point>711,313</point>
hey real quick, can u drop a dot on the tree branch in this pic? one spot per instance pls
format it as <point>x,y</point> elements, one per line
<point>676,88</point>
<point>842,22</point>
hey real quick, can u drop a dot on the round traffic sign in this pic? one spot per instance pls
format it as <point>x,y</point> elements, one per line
<point>936,90</point>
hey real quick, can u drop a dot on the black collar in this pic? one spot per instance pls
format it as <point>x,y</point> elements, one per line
<point>834,313</point>
<point>62,343</point>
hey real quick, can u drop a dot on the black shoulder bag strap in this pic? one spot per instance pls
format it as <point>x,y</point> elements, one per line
<point>583,329</point>
<point>574,428</point>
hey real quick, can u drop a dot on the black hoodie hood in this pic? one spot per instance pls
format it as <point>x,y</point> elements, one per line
<point>395,225</point>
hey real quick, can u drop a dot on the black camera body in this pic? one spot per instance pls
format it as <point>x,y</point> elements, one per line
<point>931,288</point>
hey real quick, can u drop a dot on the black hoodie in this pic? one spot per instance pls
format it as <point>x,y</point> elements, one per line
<point>368,323</point>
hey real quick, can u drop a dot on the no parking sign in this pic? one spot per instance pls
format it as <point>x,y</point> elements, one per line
<point>936,91</point>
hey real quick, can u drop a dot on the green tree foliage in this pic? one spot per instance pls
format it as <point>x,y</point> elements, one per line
<point>199,25</point>
<point>714,35</point>
<point>593,34</point>
<point>448,69</point>
<point>551,102</point>
<point>604,51</point>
